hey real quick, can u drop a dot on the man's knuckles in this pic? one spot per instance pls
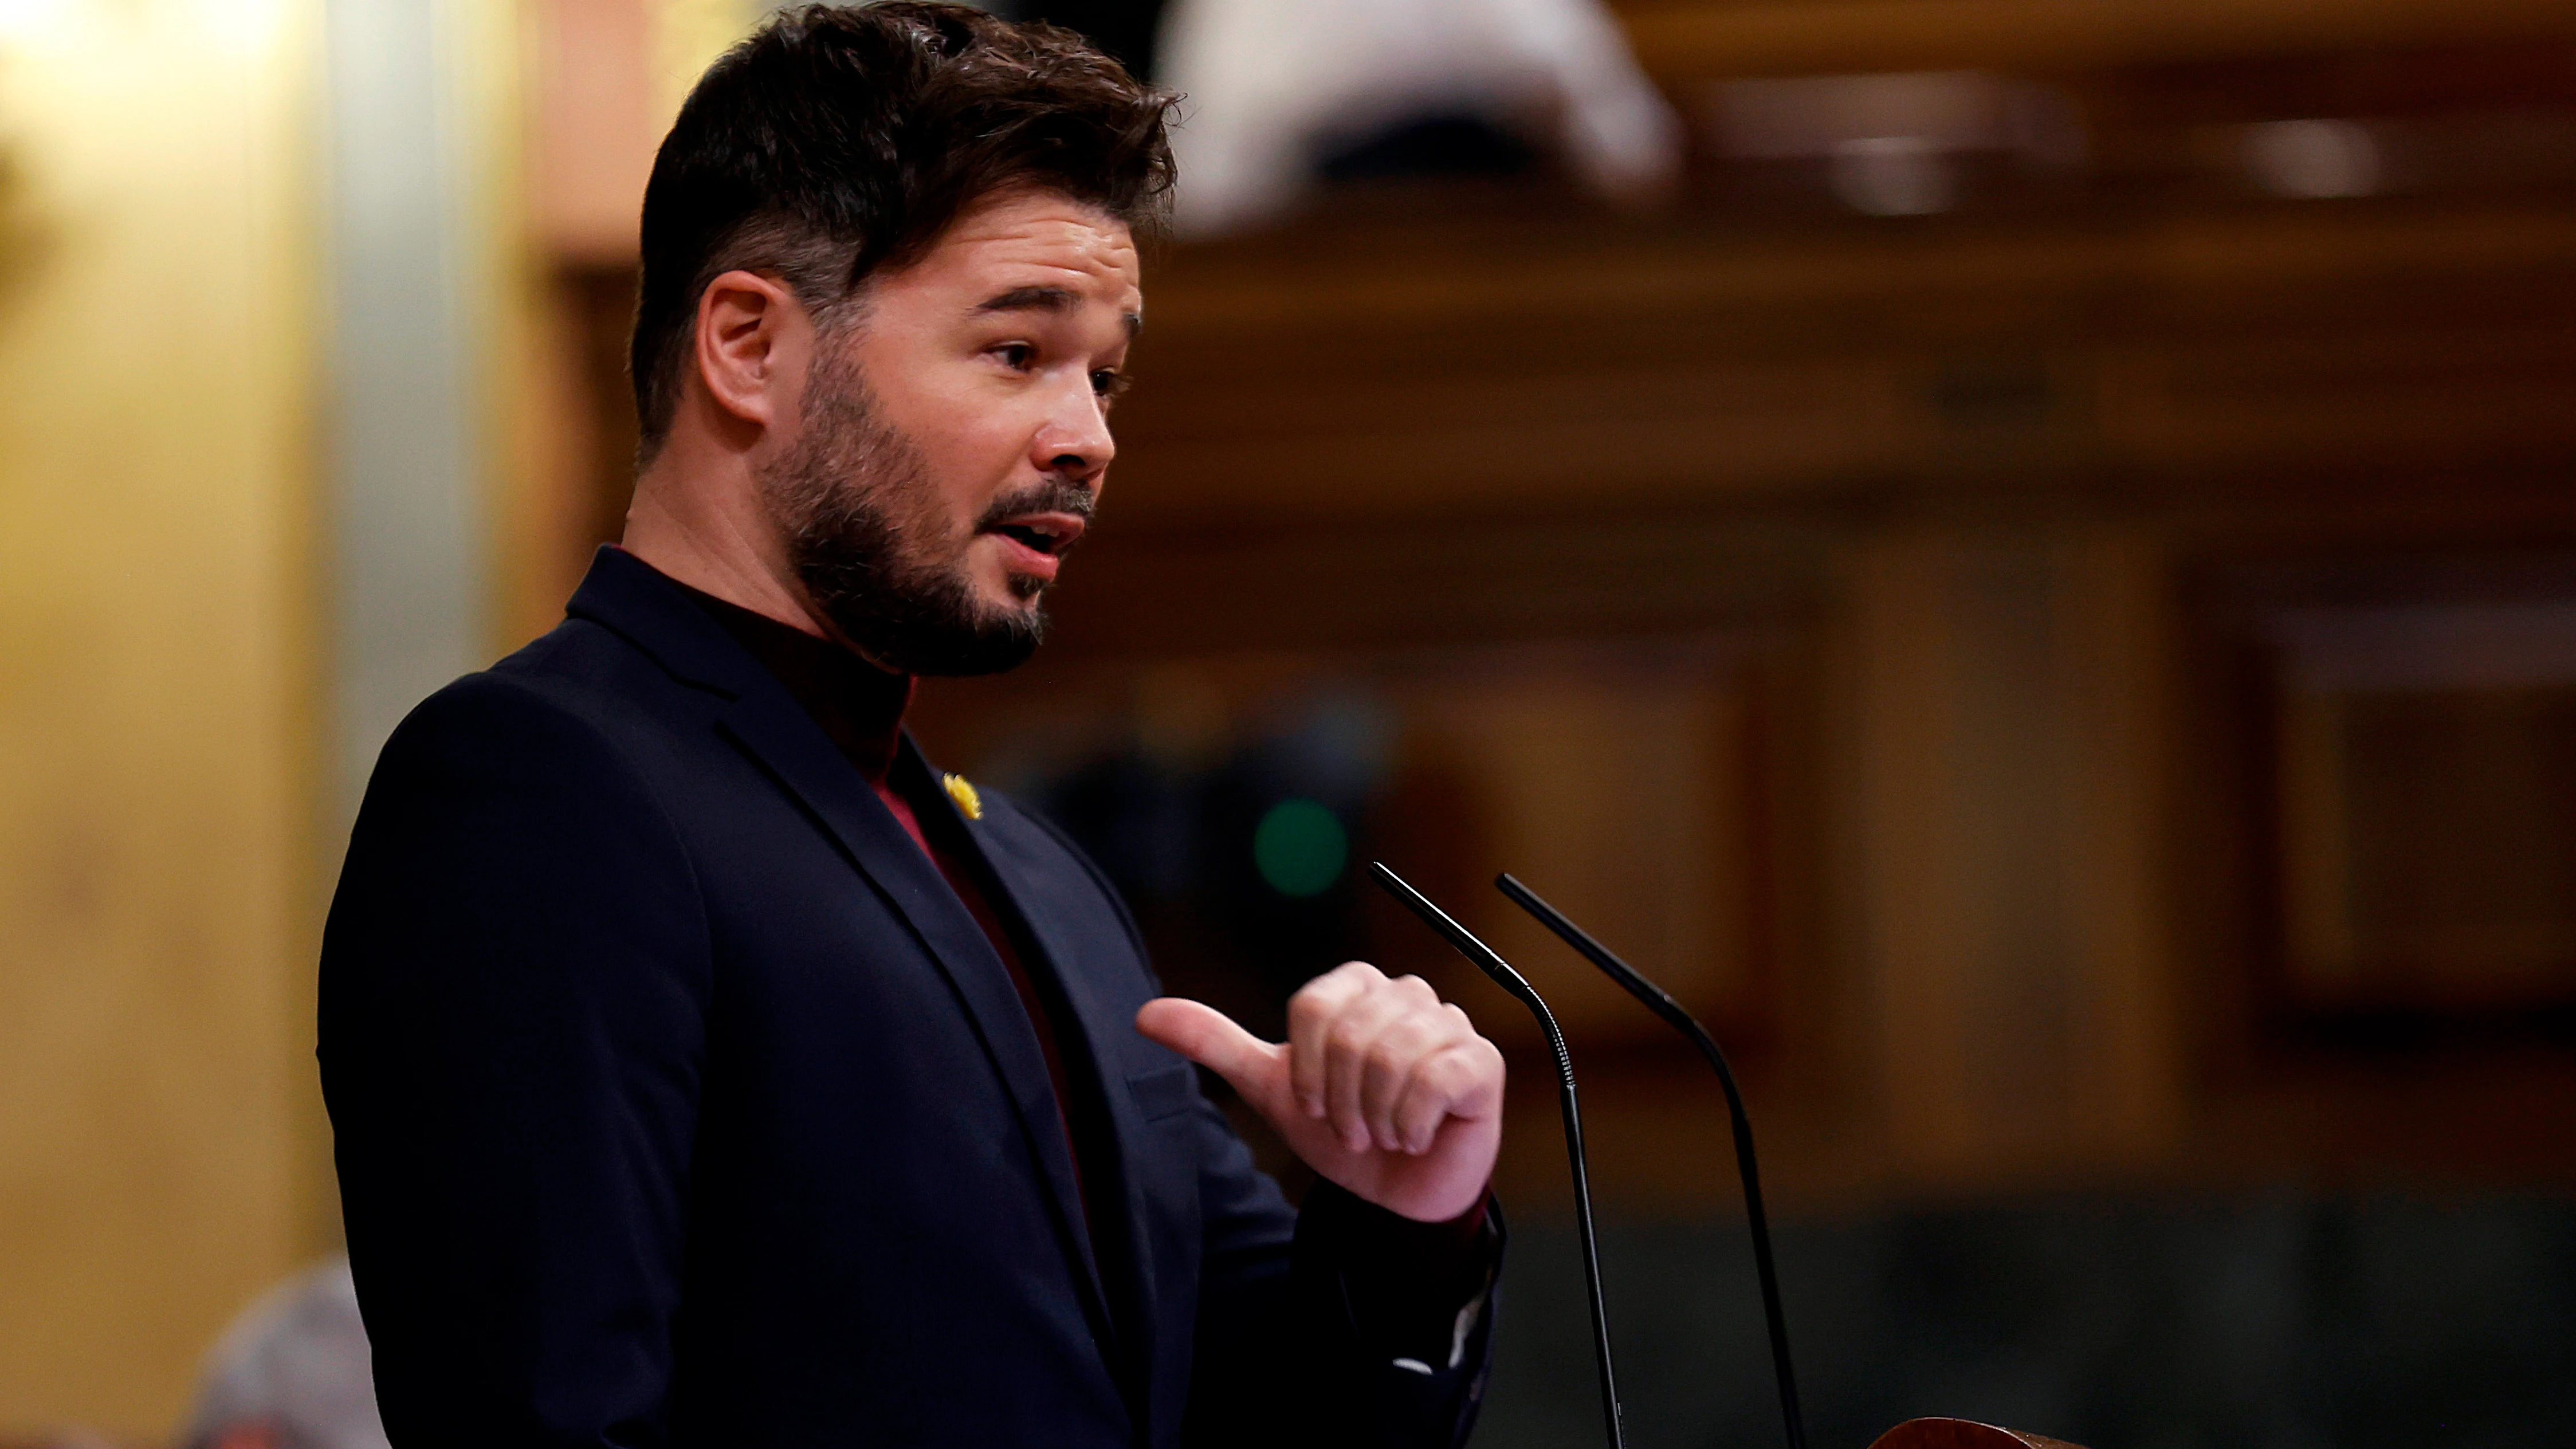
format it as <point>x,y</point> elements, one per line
<point>1461,1075</point>
<point>1352,1031</point>
<point>1410,1037</point>
<point>1336,988</point>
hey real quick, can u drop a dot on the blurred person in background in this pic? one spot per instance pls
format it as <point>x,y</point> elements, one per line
<point>708,1068</point>
<point>291,1372</point>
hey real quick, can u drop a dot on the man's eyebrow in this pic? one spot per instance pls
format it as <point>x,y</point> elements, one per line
<point>1045,299</point>
<point>1032,299</point>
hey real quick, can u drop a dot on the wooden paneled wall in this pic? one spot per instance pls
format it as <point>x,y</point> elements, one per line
<point>1957,481</point>
<point>158,671</point>
<point>1974,464</point>
<point>1686,41</point>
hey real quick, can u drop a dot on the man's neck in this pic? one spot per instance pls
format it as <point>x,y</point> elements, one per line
<point>726,549</point>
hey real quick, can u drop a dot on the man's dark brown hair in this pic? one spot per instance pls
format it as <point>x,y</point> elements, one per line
<point>841,140</point>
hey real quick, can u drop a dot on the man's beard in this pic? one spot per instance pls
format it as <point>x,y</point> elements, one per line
<point>872,546</point>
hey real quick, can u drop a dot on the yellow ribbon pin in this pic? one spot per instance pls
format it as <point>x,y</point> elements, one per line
<point>964,794</point>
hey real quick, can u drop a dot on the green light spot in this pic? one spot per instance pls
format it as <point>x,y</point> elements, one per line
<point>1299,848</point>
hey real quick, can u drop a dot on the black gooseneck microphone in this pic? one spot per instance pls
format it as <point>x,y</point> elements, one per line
<point>1512,981</point>
<point>1661,1003</point>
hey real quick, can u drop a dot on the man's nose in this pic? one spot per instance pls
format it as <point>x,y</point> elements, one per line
<point>1075,442</point>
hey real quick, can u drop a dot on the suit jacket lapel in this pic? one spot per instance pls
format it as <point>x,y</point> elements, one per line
<point>1106,1028</point>
<point>780,735</point>
<point>768,724</point>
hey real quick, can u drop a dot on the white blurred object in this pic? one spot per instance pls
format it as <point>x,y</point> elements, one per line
<point>1891,142</point>
<point>1273,83</point>
<point>1894,176</point>
<point>2313,159</point>
<point>296,1363</point>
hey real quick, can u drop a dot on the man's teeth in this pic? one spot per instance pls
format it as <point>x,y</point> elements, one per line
<point>1043,543</point>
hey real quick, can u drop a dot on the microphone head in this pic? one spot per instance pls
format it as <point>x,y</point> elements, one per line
<point>1655,998</point>
<point>1458,936</point>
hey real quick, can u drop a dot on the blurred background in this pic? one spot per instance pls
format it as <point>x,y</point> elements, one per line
<point>2018,554</point>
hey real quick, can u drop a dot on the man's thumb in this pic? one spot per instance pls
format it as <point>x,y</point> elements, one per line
<point>1210,1038</point>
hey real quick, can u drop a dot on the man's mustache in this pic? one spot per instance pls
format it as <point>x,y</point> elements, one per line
<point>1054,496</point>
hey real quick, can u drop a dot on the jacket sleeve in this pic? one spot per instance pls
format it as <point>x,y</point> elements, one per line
<point>1340,1323</point>
<point>514,981</point>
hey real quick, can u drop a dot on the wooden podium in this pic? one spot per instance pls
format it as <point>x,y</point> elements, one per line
<point>1961,1434</point>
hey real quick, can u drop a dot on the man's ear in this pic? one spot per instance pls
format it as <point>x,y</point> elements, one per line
<point>753,340</point>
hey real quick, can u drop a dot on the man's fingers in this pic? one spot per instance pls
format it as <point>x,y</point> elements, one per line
<point>1311,1012</point>
<point>1210,1038</point>
<point>1393,1058</point>
<point>1347,1044</point>
<point>1463,1080</point>
<point>1425,1105</point>
<point>1380,1025</point>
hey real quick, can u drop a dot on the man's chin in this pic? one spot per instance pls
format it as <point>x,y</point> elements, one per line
<point>997,639</point>
<point>959,626</point>
<point>987,571</point>
<point>992,651</point>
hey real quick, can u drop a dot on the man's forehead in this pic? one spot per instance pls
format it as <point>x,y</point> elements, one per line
<point>1042,241</point>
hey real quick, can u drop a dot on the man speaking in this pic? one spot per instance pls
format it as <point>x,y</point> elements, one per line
<point>706,1068</point>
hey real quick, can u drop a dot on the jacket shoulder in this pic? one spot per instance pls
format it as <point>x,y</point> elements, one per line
<point>577,685</point>
<point>518,793</point>
<point>565,727</point>
<point>587,666</point>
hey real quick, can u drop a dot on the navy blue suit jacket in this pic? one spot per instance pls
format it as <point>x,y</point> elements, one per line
<point>679,1101</point>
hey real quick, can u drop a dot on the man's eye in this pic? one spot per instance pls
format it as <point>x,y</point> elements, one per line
<point>1016,355</point>
<point>1108,383</point>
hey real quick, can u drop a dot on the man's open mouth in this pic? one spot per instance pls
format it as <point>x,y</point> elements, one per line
<point>1042,542</point>
<point>1049,534</point>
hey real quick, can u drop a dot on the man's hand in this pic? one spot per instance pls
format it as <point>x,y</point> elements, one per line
<point>1379,1087</point>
